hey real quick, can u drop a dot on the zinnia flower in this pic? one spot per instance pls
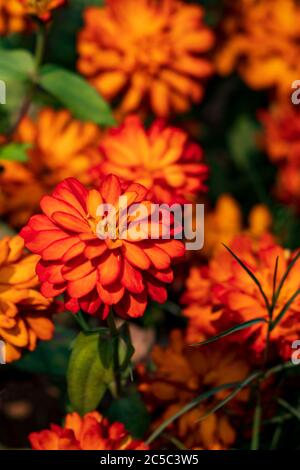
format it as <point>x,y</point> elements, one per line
<point>92,432</point>
<point>181,374</point>
<point>148,52</point>
<point>60,147</point>
<point>225,222</point>
<point>221,295</point>
<point>161,158</point>
<point>12,17</point>
<point>95,260</point>
<point>41,8</point>
<point>24,312</point>
<point>281,139</point>
<point>262,43</point>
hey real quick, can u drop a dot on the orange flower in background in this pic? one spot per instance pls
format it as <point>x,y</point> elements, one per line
<point>146,53</point>
<point>61,146</point>
<point>41,8</point>
<point>12,17</point>
<point>181,374</point>
<point>91,432</point>
<point>24,312</point>
<point>94,273</point>
<point>225,222</point>
<point>281,139</point>
<point>262,43</point>
<point>221,295</point>
<point>161,158</point>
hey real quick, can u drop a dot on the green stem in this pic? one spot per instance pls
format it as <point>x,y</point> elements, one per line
<point>115,337</point>
<point>256,423</point>
<point>82,322</point>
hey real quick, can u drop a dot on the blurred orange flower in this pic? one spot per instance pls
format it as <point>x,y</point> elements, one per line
<point>96,272</point>
<point>60,147</point>
<point>281,139</point>
<point>91,432</point>
<point>161,158</point>
<point>181,374</point>
<point>225,222</point>
<point>24,312</point>
<point>12,17</point>
<point>41,8</point>
<point>262,43</point>
<point>146,53</point>
<point>221,295</point>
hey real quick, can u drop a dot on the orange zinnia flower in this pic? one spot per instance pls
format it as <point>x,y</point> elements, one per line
<point>60,147</point>
<point>92,432</point>
<point>222,295</point>
<point>281,139</point>
<point>148,52</point>
<point>225,222</point>
<point>262,42</point>
<point>161,158</point>
<point>12,17</point>
<point>94,273</point>
<point>24,312</point>
<point>181,374</point>
<point>41,8</point>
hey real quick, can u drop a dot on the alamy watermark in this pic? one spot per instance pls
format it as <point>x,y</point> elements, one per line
<point>2,92</point>
<point>2,353</point>
<point>146,220</point>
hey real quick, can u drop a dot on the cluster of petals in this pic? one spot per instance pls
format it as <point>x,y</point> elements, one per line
<point>41,8</point>
<point>90,432</point>
<point>25,314</point>
<point>281,140</point>
<point>58,146</point>
<point>181,374</point>
<point>148,53</point>
<point>161,158</point>
<point>95,272</point>
<point>221,295</point>
<point>12,17</point>
<point>262,43</point>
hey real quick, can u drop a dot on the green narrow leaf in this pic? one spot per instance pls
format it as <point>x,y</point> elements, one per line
<point>16,64</point>
<point>288,407</point>
<point>284,309</point>
<point>232,330</point>
<point>250,273</point>
<point>87,378</point>
<point>284,277</point>
<point>15,152</point>
<point>76,94</point>
<point>125,335</point>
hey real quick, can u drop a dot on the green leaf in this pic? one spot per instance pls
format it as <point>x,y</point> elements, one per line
<point>294,411</point>
<point>76,94</point>
<point>132,412</point>
<point>87,377</point>
<point>251,275</point>
<point>284,277</point>
<point>125,335</point>
<point>232,330</point>
<point>16,64</point>
<point>15,152</point>
<point>284,309</point>
<point>107,346</point>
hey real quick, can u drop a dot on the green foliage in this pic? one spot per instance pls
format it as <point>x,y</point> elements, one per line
<point>15,152</point>
<point>16,64</point>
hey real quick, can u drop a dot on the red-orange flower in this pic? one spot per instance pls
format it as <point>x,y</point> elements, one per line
<point>146,52</point>
<point>92,432</point>
<point>24,313</point>
<point>222,295</point>
<point>181,374</point>
<point>161,158</point>
<point>12,17</point>
<point>119,268</point>
<point>41,8</point>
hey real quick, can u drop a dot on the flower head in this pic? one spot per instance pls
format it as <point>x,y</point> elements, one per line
<point>24,312</point>
<point>181,374</point>
<point>262,42</point>
<point>161,158</point>
<point>59,146</point>
<point>91,432</point>
<point>12,17</point>
<point>221,295</point>
<point>98,259</point>
<point>41,8</point>
<point>146,53</point>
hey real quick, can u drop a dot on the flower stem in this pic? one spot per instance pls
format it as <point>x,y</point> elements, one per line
<point>115,337</point>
